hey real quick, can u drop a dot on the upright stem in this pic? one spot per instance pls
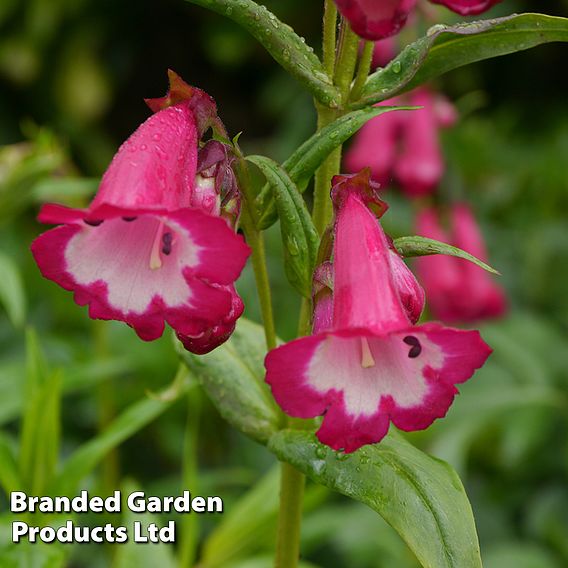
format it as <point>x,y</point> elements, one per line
<point>258,257</point>
<point>343,66</point>
<point>290,516</point>
<point>329,36</point>
<point>362,70</point>
<point>347,59</point>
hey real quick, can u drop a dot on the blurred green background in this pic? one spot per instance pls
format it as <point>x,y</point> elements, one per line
<point>73,75</point>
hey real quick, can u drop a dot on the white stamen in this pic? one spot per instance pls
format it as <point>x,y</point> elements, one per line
<point>366,355</point>
<point>155,257</point>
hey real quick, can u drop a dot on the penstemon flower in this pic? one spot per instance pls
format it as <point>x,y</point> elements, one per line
<point>373,366</point>
<point>458,291</point>
<point>377,19</point>
<point>152,247</point>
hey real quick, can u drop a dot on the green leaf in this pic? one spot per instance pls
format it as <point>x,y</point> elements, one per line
<point>447,47</point>
<point>233,378</point>
<point>299,236</point>
<point>423,246</point>
<point>9,473</point>
<point>39,443</point>
<point>303,163</point>
<point>421,497</point>
<point>12,294</point>
<point>280,40</point>
<point>130,421</point>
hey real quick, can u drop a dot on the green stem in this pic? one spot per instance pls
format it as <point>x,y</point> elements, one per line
<point>362,70</point>
<point>258,257</point>
<point>344,68</point>
<point>290,517</point>
<point>347,59</point>
<point>255,239</point>
<point>190,530</point>
<point>329,36</point>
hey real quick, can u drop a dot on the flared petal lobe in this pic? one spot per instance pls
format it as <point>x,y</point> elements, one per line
<point>375,19</point>
<point>467,7</point>
<point>220,332</point>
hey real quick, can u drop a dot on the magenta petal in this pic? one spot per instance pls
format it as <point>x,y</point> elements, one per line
<point>219,333</point>
<point>156,166</point>
<point>411,293</point>
<point>286,369</point>
<point>467,7</point>
<point>341,431</point>
<point>364,291</point>
<point>375,19</point>
<point>462,353</point>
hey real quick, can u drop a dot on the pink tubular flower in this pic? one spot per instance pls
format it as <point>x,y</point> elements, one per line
<point>376,145</point>
<point>420,165</point>
<point>372,367</point>
<point>467,7</point>
<point>458,291</point>
<point>151,247</point>
<point>374,19</point>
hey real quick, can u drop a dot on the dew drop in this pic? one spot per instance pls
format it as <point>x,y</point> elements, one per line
<point>321,452</point>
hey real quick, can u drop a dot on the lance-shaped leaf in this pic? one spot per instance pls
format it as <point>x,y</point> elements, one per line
<point>447,47</point>
<point>423,246</point>
<point>421,497</point>
<point>233,377</point>
<point>131,420</point>
<point>303,163</point>
<point>299,235</point>
<point>282,42</point>
<point>12,295</point>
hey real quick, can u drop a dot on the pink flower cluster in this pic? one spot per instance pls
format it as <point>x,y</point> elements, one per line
<point>405,146</point>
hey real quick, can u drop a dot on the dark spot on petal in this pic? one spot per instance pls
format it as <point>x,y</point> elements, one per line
<point>415,349</point>
<point>129,219</point>
<point>167,239</point>
<point>93,222</point>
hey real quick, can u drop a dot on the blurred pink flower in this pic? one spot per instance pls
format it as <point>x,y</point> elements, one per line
<point>404,145</point>
<point>458,290</point>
